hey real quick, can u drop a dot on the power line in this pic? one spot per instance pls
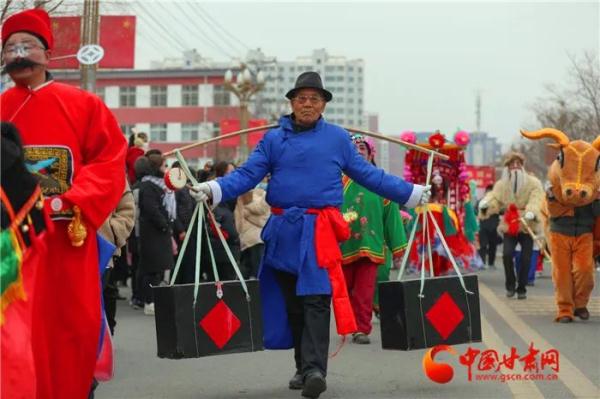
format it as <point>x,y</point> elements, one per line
<point>167,33</point>
<point>203,35</point>
<point>211,26</point>
<point>217,24</point>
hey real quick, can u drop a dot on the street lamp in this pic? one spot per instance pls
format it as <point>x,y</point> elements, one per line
<point>244,87</point>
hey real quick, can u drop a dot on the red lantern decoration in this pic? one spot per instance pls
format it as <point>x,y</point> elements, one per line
<point>437,140</point>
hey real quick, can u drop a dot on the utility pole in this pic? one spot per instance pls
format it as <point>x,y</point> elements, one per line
<point>89,35</point>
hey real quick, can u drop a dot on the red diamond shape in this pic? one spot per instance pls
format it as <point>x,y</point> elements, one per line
<point>220,324</point>
<point>445,315</point>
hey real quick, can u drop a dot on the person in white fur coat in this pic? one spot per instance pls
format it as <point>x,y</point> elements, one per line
<point>251,214</point>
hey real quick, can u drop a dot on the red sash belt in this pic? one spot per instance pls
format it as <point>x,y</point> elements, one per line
<point>330,229</point>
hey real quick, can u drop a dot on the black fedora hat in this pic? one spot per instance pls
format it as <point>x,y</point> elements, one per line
<point>309,80</point>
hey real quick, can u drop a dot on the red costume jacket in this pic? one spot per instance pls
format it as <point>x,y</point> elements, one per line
<point>74,145</point>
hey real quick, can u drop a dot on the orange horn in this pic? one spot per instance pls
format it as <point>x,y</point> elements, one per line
<point>549,133</point>
<point>596,143</point>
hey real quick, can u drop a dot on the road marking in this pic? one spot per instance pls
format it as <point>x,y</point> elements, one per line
<point>545,304</point>
<point>520,389</point>
<point>569,374</point>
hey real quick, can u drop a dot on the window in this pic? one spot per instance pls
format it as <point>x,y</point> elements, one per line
<point>329,69</point>
<point>158,132</point>
<point>351,79</point>
<point>126,129</point>
<point>340,67</point>
<point>350,89</point>
<point>127,96</point>
<point>189,95</point>
<point>101,92</point>
<point>339,78</point>
<point>350,69</point>
<point>189,132</point>
<point>158,96</point>
<point>221,95</point>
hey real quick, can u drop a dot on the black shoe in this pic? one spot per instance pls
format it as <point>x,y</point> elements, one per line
<point>565,319</point>
<point>314,385</point>
<point>510,293</point>
<point>361,338</point>
<point>521,295</point>
<point>582,313</point>
<point>297,381</point>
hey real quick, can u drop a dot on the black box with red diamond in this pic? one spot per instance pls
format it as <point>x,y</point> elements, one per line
<point>445,314</point>
<point>213,326</point>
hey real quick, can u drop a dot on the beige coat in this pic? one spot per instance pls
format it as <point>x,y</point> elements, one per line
<point>250,217</point>
<point>528,199</point>
<point>119,224</point>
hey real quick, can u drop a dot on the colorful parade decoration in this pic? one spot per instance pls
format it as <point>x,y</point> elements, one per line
<point>451,201</point>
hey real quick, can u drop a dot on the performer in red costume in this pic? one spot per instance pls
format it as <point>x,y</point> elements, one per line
<point>73,144</point>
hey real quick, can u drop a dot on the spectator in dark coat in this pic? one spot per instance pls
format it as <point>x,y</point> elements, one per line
<point>185,210</point>
<point>158,211</point>
<point>488,236</point>
<point>225,219</point>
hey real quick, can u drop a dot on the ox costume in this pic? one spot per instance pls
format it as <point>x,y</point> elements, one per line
<point>73,144</point>
<point>297,279</point>
<point>572,211</point>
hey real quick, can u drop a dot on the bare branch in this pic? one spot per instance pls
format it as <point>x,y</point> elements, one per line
<point>5,10</point>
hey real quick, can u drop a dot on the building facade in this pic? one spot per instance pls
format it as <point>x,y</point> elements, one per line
<point>174,106</point>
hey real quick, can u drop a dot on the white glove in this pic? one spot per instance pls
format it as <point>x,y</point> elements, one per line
<point>426,195</point>
<point>201,192</point>
<point>483,204</point>
<point>529,215</point>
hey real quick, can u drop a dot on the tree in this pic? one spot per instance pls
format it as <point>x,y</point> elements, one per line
<point>573,109</point>
<point>12,6</point>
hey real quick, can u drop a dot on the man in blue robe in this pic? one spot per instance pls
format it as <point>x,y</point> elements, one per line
<point>305,157</point>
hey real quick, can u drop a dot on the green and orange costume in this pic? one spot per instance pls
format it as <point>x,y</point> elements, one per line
<point>377,228</point>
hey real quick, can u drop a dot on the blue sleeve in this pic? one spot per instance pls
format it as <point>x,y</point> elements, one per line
<point>375,179</point>
<point>247,176</point>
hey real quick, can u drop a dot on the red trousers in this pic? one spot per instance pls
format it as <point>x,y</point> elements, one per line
<point>361,278</point>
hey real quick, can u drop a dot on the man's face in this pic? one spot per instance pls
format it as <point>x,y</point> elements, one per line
<point>515,164</point>
<point>25,57</point>
<point>307,106</point>
<point>363,150</point>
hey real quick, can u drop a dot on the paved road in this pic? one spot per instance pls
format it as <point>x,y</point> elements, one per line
<point>368,371</point>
